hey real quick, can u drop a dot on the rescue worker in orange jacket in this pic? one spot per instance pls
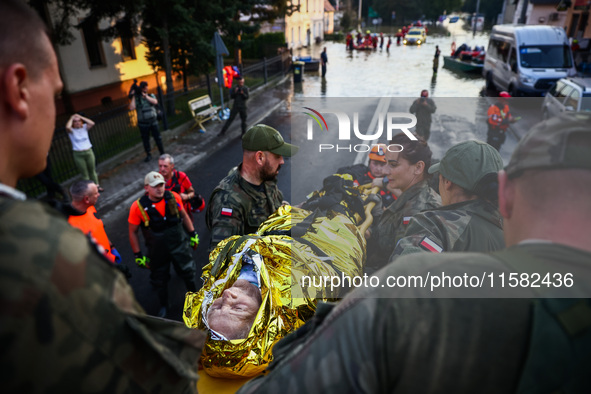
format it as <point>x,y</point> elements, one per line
<point>84,197</point>
<point>161,216</point>
<point>499,117</point>
<point>375,173</point>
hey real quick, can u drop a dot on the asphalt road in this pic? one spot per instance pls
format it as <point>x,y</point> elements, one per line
<point>456,120</point>
<point>204,178</point>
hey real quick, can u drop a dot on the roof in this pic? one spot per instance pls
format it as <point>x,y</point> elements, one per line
<point>531,34</point>
<point>328,7</point>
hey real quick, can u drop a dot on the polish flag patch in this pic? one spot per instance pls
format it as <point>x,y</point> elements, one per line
<point>406,219</point>
<point>226,212</point>
<point>430,245</point>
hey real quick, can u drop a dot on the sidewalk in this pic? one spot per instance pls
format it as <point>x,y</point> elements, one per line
<point>122,176</point>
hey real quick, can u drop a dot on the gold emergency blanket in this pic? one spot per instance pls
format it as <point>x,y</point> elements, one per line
<point>331,245</point>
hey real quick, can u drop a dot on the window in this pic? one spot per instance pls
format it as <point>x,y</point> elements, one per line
<point>554,90</point>
<point>127,48</point>
<point>92,42</point>
<point>503,50</point>
<point>573,100</point>
<point>127,41</point>
<point>564,92</point>
<point>498,49</point>
<point>513,60</point>
<point>545,56</point>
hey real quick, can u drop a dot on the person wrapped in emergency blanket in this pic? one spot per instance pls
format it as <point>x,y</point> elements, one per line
<point>260,287</point>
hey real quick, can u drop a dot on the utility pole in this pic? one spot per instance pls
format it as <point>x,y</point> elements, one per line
<point>475,19</point>
<point>359,16</point>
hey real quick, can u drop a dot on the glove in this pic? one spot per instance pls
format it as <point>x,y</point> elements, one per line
<point>115,253</point>
<point>141,260</point>
<point>378,209</point>
<point>194,239</point>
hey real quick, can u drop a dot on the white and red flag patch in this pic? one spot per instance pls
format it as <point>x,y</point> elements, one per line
<point>430,245</point>
<point>406,219</point>
<point>226,212</point>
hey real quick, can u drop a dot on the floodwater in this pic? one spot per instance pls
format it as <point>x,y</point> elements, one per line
<point>401,72</point>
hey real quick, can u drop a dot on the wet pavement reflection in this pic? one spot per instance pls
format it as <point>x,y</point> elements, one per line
<point>403,71</point>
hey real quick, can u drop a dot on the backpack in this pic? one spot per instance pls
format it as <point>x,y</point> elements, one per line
<point>146,112</point>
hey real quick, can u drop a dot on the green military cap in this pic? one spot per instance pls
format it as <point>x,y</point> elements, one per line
<point>466,163</point>
<point>559,143</point>
<point>266,138</point>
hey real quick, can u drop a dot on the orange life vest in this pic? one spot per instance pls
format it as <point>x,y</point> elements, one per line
<point>496,116</point>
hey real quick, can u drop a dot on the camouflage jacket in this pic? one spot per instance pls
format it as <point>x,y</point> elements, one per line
<point>392,224</point>
<point>69,322</point>
<point>402,340</point>
<point>469,226</point>
<point>237,208</point>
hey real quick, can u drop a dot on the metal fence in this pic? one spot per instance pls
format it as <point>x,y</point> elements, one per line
<point>116,129</point>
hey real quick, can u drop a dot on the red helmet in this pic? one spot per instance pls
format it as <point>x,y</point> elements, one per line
<point>504,94</point>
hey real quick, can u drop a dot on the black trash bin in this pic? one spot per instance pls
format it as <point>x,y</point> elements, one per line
<point>298,71</point>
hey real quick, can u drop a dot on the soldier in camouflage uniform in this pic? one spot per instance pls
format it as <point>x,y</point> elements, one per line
<point>69,322</point>
<point>413,340</point>
<point>469,219</point>
<point>249,194</point>
<point>407,172</point>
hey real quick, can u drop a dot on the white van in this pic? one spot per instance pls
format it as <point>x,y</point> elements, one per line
<point>527,60</point>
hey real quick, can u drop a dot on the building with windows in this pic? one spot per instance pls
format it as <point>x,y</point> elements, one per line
<point>572,15</point>
<point>329,12</point>
<point>97,72</point>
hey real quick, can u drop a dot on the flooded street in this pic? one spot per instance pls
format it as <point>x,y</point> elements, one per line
<point>403,71</point>
<point>363,88</point>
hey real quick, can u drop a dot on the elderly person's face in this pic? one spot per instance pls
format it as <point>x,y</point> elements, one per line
<point>165,167</point>
<point>233,313</point>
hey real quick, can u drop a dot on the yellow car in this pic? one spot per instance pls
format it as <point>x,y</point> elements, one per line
<point>415,36</point>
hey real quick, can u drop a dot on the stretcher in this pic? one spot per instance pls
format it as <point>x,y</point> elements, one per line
<point>325,239</point>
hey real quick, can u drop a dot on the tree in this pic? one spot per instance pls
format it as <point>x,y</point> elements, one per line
<point>407,11</point>
<point>177,33</point>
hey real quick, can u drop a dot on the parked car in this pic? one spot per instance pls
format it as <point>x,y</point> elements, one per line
<point>415,36</point>
<point>527,60</point>
<point>569,94</point>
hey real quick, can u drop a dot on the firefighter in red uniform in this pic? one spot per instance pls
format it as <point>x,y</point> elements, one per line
<point>499,117</point>
<point>178,182</point>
